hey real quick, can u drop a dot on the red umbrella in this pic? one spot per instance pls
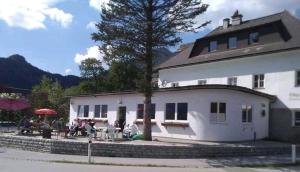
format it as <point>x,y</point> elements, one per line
<point>49,112</point>
<point>13,104</point>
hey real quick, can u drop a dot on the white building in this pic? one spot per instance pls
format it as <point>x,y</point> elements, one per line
<point>211,113</point>
<point>223,86</point>
<point>261,54</point>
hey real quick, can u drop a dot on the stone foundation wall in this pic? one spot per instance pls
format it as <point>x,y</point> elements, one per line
<point>31,144</point>
<point>138,151</point>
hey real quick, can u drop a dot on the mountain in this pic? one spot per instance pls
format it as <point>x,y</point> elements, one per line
<point>15,71</point>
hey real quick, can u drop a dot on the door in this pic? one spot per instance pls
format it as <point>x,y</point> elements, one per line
<point>122,117</point>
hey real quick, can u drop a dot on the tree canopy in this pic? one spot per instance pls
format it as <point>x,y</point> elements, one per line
<point>132,29</point>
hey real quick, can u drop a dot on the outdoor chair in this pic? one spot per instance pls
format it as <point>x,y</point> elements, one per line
<point>59,127</point>
<point>110,133</point>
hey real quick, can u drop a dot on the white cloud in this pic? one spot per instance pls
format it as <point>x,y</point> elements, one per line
<point>220,9</point>
<point>67,71</point>
<point>92,52</point>
<point>32,14</point>
<point>65,19</point>
<point>98,3</point>
<point>91,25</point>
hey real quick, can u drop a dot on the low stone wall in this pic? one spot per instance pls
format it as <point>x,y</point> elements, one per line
<point>26,143</point>
<point>139,151</point>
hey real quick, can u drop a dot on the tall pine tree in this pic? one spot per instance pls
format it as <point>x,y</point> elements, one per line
<point>132,29</point>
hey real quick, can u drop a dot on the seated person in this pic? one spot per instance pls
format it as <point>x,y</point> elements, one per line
<point>25,125</point>
<point>91,130</point>
<point>74,128</point>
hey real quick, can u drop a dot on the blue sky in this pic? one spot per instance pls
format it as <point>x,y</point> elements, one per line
<point>54,35</point>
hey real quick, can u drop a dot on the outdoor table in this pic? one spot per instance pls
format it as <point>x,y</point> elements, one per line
<point>101,130</point>
<point>117,130</point>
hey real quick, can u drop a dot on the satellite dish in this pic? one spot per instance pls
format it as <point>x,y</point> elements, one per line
<point>164,83</point>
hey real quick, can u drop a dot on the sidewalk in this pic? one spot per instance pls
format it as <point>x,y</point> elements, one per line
<point>7,153</point>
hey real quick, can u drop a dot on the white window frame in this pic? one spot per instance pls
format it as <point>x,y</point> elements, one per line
<point>101,116</point>
<point>88,114</point>
<point>99,111</point>
<point>209,46</point>
<point>202,82</point>
<point>294,119</point>
<point>249,38</point>
<point>217,115</point>
<point>259,81</point>
<point>228,42</point>
<point>234,79</point>
<point>176,113</point>
<point>80,111</point>
<point>247,108</point>
<point>141,119</point>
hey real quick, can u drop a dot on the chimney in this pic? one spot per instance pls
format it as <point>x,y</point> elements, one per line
<point>237,18</point>
<point>226,23</point>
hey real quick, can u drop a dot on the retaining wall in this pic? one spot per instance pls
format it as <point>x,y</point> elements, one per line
<point>139,151</point>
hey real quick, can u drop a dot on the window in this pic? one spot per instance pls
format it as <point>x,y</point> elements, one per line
<point>97,111</point>
<point>182,109</point>
<point>298,78</point>
<point>232,42</point>
<point>296,121</point>
<point>218,112</point>
<point>246,114</point>
<point>232,81</point>
<point>175,84</point>
<point>214,107</point>
<point>181,114</point>
<point>104,111</point>
<point>86,111</point>
<point>201,82</point>
<point>253,38</point>
<point>259,81</point>
<point>140,111</point>
<point>170,111</point>
<point>80,111</point>
<point>213,45</point>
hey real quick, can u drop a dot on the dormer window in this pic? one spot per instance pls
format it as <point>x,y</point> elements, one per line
<point>201,82</point>
<point>175,84</point>
<point>213,45</point>
<point>253,38</point>
<point>232,42</point>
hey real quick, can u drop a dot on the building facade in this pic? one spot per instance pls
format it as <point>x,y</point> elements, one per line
<point>261,54</point>
<point>220,87</point>
<point>208,113</point>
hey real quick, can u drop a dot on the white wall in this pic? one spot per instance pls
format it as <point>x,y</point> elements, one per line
<point>279,70</point>
<point>200,127</point>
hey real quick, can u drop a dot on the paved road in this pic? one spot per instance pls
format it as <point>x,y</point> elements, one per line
<point>17,165</point>
<point>12,160</point>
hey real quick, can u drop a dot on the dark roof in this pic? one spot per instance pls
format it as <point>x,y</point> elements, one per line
<point>161,55</point>
<point>291,23</point>
<point>192,87</point>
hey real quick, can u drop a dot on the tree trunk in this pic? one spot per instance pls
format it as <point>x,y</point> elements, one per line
<point>148,94</point>
<point>148,72</point>
<point>147,119</point>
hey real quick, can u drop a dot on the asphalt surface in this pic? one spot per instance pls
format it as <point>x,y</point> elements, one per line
<point>13,160</point>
